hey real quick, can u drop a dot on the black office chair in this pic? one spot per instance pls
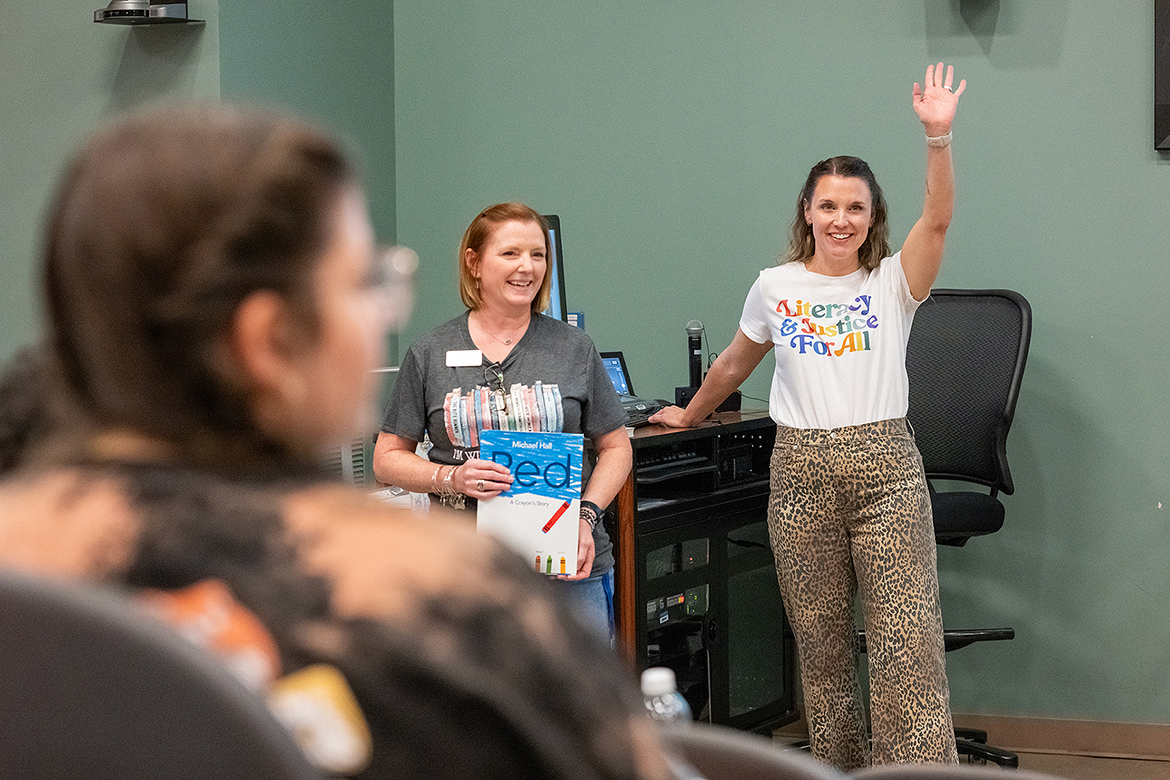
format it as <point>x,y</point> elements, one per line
<point>722,753</point>
<point>92,688</point>
<point>965,360</point>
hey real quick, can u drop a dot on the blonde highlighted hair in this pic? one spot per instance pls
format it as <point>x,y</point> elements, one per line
<point>476,237</point>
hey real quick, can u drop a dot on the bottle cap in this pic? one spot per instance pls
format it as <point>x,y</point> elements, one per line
<point>658,681</point>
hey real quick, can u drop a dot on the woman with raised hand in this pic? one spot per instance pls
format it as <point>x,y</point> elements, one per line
<point>217,305</point>
<point>849,509</point>
<point>467,374</point>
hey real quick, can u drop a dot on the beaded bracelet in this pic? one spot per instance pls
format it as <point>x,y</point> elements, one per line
<point>591,512</point>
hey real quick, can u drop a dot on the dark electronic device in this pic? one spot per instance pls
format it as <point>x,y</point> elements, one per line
<point>141,12</point>
<point>705,599</point>
<point>695,351</point>
<point>732,403</point>
<point>557,308</point>
<point>683,395</point>
<point>1162,75</point>
<point>638,410</point>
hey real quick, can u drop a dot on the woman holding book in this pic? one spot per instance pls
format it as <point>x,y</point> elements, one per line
<point>849,509</point>
<point>502,364</point>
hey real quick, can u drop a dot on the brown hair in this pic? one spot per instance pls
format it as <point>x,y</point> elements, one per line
<point>802,245</point>
<point>477,235</point>
<point>162,225</point>
<point>25,413</point>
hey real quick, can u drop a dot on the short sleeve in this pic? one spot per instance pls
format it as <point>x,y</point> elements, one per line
<point>900,284</point>
<point>754,320</point>
<point>406,410</point>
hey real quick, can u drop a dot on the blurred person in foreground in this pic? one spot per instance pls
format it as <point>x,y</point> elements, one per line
<point>216,306</point>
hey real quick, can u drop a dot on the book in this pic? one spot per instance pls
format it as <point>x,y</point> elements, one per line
<point>540,515</point>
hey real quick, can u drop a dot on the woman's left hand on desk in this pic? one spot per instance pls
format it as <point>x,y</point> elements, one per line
<point>670,416</point>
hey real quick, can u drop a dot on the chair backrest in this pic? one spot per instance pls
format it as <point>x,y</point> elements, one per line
<point>721,753</point>
<point>92,687</point>
<point>965,360</point>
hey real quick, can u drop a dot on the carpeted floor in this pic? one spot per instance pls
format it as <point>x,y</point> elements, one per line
<point>1070,767</point>
<point>1092,768</point>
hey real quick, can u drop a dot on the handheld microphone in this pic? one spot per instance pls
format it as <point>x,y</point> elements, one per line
<point>695,351</point>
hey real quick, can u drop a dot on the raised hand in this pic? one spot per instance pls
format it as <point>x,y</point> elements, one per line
<point>936,104</point>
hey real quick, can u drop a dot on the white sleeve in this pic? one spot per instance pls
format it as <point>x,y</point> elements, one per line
<point>754,320</point>
<point>901,285</point>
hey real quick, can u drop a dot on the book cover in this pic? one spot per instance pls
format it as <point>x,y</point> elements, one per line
<point>540,515</point>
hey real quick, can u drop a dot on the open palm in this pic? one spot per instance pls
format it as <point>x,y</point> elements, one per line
<point>936,103</point>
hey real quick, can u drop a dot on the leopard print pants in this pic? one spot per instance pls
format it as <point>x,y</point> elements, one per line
<point>849,511</point>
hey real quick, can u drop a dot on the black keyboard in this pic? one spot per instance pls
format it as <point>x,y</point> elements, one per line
<point>638,410</point>
<point>637,419</point>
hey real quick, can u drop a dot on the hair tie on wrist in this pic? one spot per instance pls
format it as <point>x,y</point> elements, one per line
<point>591,512</point>
<point>939,140</point>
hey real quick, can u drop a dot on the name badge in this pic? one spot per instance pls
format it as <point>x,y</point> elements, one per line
<point>464,357</point>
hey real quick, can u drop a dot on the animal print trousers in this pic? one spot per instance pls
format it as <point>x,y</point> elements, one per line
<point>849,511</point>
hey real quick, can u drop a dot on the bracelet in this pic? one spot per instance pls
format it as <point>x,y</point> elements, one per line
<point>591,512</point>
<point>434,479</point>
<point>448,489</point>
<point>939,140</point>
<point>448,495</point>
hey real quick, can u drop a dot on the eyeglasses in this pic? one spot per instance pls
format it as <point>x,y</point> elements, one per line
<point>392,279</point>
<point>493,377</point>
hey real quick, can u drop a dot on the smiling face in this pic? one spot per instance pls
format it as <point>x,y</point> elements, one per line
<point>511,267</point>
<point>841,214</point>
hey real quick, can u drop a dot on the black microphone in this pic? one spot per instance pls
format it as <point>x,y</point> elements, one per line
<point>695,351</point>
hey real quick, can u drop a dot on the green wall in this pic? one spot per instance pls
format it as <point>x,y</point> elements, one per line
<point>671,138</point>
<point>64,75</point>
<point>330,61</point>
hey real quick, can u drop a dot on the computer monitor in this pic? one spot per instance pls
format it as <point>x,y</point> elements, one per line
<point>615,366</point>
<point>556,299</point>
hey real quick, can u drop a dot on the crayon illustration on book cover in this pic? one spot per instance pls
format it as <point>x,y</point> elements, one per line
<point>540,515</point>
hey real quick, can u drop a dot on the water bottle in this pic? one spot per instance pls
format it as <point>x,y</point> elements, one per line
<point>663,701</point>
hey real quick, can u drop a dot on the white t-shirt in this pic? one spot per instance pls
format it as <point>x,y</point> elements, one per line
<point>840,342</point>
